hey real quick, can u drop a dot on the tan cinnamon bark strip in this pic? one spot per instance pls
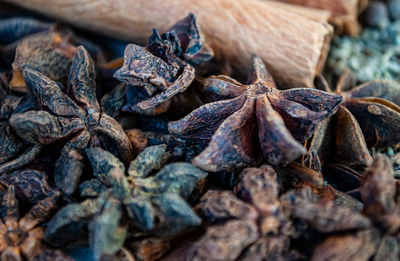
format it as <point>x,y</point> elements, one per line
<point>344,12</point>
<point>293,46</point>
<point>313,13</point>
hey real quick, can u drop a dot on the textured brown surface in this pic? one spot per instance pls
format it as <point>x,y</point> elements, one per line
<point>234,29</point>
<point>344,13</point>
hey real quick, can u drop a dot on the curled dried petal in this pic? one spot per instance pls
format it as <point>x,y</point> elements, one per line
<point>277,144</point>
<point>42,127</point>
<point>30,185</point>
<point>81,81</point>
<point>201,123</point>
<point>149,159</point>
<point>178,178</point>
<point>231,145</point>
<point>378,188</point>
<point>379,120</point>
<point>49,95</point>
<point>218,206</point>
<point>109,170</point>
<point>224,242</point>
<point>107,233</point>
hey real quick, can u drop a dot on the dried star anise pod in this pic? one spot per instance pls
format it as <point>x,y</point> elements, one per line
<point>14,152</point>
<point>161,70</point>
<point>379,193</point>
<point>30,185</point>
<point>368,119</point>
<point>154,204</point>
<point>243,116</point>
<point>21,237</point>
<point>49,52</point>
<point>248,226</point>
<point>14,29</point>
<point>73,116</point>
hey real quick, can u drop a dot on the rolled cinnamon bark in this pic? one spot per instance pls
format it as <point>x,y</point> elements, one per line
<point>293,46</point>
<point>344,12</point>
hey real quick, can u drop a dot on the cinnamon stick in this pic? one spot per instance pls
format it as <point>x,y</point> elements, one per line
<point>294,47</point>
<point>344,13</point>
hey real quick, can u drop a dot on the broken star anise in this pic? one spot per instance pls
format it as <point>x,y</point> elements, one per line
<point>244,118</point>
<point>369,118</point>
<point>14,152</point>
<point>21,237</point>
<point>161,70</point>
<point>154,204</point>
<point>73,116</point>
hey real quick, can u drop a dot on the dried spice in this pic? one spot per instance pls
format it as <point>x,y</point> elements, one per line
<point>162,69</point>
<point>50,53</point>
<point>241,113</point>
<point>14,152</point>
<point>30,185</point>
<point>21,237</point>
<point>249,227</point>
<point>367,119</point>
<point>72,115</point>
<point>155,204</point>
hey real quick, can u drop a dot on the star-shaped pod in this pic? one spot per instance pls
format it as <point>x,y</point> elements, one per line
<point>73,116</point>
<point>154,203</point>
<point>12,30</point>
<point>244,118</point>
<point>14,152</point>
<point>21,237</point>
<point>369,118</point>
<point>161,70</point>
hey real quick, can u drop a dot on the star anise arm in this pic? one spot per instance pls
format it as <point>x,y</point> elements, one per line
<point>11,253</point>
<point>179,85</point>
<point>258,73</point>
<point>379,120</point>
<point>26,157</point>
<point>49,95</point>
<point>141,68</point>
<point>69,166</point>
<point>384,89</point>
<point>110,127</point>
<point>201,123</point>
<point>44,128</point>
<point>13,29</point>
<point>31,246</point>
<point>81,85</point>
<point>107,232</point>
<point>109,170</point>
<point>3,231</point>
<point>231,145</point>
<point>350,142</point>
<point>299,120</point>
<point>221,87</point>
<point>277,144</point>
<point>378,188</point>
<point>38,213</point>
<point>149,159</point>
<point>9,208</point>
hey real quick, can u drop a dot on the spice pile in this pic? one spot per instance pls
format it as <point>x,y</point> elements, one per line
<point>150,157</point>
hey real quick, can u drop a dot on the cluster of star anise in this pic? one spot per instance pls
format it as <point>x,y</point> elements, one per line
<point>150,157</point>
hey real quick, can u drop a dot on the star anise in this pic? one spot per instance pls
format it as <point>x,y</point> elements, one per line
<point>161,70</point>
<point>380,194</point>
<point>74,116</point>
<point>14,152</point>
<point>155,204</point>
<point>368,119</point>
<point>244,118</point>
<point>21,237</point>
<point>30,185</point>
<point>12,30</point>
